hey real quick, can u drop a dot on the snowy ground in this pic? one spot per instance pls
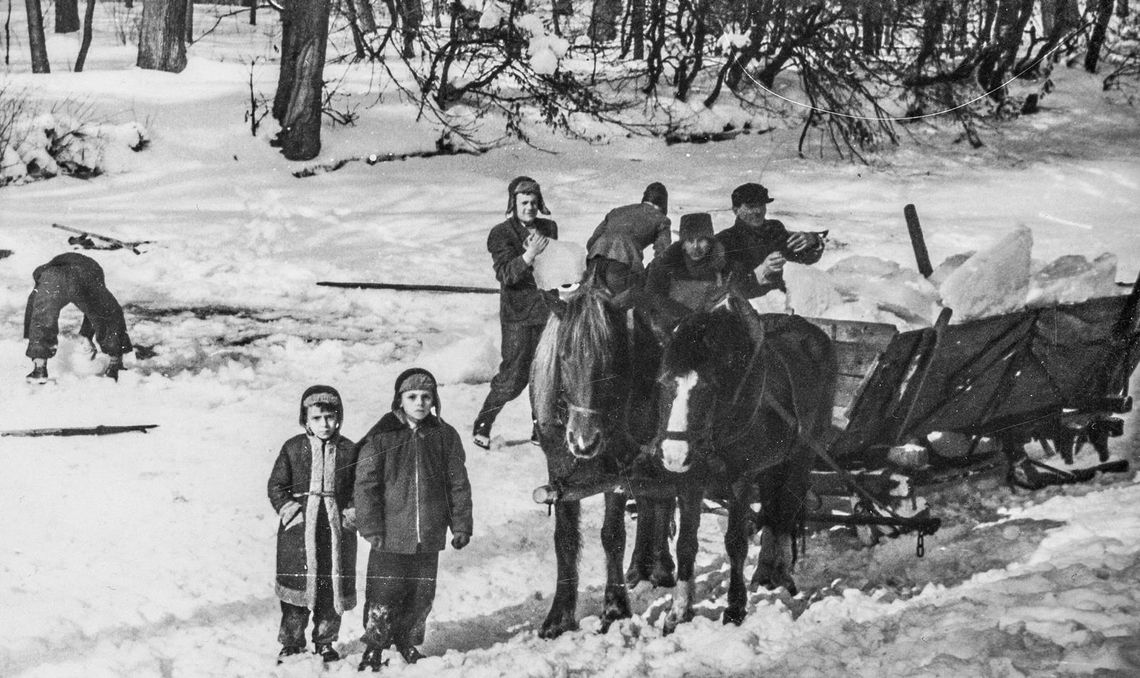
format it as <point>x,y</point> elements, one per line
<point>141,555</point>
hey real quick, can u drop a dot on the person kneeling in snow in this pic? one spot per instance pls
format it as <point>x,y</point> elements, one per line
<point>757,247</point>
<point>411,486</point>
<point>73,278</point>
<point>311,489</point>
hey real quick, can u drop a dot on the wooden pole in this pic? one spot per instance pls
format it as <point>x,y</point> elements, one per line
<point>460,289</point>
<point>917,241</point>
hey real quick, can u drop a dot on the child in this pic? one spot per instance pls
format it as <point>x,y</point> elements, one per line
<point>411,486</point>
<point>311,490</point>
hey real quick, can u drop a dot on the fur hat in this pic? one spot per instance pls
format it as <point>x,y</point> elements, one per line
<point>750,194</point>
<point>657,194</point>
<point>321,395</point>
<point>416,379</point>
<point>523,184</point>
<point>696,225</point>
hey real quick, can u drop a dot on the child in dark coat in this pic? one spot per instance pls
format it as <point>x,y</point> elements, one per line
<point>411,486</point>
<point>311,491</point>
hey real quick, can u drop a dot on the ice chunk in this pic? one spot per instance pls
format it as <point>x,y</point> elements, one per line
<point>993,281</point>
<point>810,290</point>
<point>1073,278</point>
<point>899,291</point>
<point>948,266</point>
<point>561,263</point>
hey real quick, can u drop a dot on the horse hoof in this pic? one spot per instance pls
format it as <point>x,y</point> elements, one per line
<point>551,630</point>
<point>634,576</point>
<point>732,616</point>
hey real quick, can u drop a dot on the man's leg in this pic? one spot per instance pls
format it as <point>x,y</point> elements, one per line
<point>518,344</point>
<point>294,619</point>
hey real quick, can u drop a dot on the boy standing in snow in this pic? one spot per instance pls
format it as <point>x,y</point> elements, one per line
<point>411,486</point>
<point>73,278</point>
<point>311,491</point>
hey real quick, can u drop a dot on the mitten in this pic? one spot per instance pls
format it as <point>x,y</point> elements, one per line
<point>348,518</point>
<point>460,539</point>
<point>291,515</point>
<point>376,542</point>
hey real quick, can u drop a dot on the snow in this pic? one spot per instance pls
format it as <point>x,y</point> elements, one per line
<point>152,555</point>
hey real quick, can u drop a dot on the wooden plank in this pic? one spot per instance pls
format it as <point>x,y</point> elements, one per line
<point>856,332</point>
<point>856,360</point>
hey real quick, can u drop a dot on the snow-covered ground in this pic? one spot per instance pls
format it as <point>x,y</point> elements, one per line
<point>141,555</point>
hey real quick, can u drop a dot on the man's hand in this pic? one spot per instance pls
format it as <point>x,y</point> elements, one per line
<point>460,539</point>
<point>772,265</point>
<point>377,543</point>
<point>803,240</point>
<point>348,516</point>
<point>535,243</point>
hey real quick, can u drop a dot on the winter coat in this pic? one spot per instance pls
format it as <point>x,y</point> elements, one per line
<point>684,283</point>
<point>626,231</point>
<point>411,485</point>
<point>520,300</point>
<point>296,546</point>
<point>746,248</point>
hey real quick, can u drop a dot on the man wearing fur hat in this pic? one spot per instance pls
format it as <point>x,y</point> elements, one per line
<point>310,488</point>
<point>411,487</point>
<point>680,279</point>
<point>514,244</point>
<point>618,242</point>
<point>757,248</point>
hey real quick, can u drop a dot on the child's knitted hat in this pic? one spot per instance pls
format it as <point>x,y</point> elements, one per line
<point>321,395</point>
<point>416,379</point>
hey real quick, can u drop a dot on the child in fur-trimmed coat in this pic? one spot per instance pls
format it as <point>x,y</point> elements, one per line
<point>311,490</point>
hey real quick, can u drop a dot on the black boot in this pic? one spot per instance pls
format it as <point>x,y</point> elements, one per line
<point>288,651</point>
<point>410,653</point>
<point>481,434</point>
<point>328,654</point>
<point>371,661</point>
<point>111,371</point>
<point>38,375</point>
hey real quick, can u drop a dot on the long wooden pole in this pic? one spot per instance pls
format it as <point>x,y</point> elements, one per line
<point>459,289</point>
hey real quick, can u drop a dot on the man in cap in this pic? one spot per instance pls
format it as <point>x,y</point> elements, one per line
<point>514,244</point>
<point>757,248</point>
<point>617,243</point>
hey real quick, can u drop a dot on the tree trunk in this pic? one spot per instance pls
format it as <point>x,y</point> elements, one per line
<point>66,16</point>
<point>348,7</point>
<point>162,36</point>
<point>1100,30</point>
<point>190,21</point>
<point>88,17</point>
<point>300,136</point>
<point>603,21</point>
<point>366,16</point>
<point>36,40</point>
<point>252,12</point>
<point>637,27</point>
<point>411,16</point>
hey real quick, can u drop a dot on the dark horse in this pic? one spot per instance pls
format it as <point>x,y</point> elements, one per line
<point>593,382</point>
<point>748,396</point>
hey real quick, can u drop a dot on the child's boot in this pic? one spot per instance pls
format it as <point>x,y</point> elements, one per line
<point>328,654</point>
<point>410,653</point>
<point>39,373</point>
<point>288,651</point>
<point>371,661</point>
<point>111,371</point>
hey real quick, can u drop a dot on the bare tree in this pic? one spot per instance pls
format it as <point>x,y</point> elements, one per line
<point>603,21</point>
<point>1100,30</point>
<point>88,17</point>
<point>36,37</point>
<point>66,16</point>
<point>162,36</point>
<point>297,103</point>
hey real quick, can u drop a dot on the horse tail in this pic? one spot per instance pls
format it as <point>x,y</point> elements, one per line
<point>544,378</point>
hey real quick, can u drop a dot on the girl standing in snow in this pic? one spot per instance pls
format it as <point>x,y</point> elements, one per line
<point>311,491</point>
<point>411,486</point>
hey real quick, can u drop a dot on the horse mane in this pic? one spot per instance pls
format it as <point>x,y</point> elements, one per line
<point>544,377</point>
<point>705,336</point>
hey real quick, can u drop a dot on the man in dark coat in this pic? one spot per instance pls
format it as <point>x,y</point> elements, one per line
<point>616,246</point>
<point>311,488</point>
<point>73,278</point>
<point>411,487</point>
<point>757,248</point>
<point>523,311</point>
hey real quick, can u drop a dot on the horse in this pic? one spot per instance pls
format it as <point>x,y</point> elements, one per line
<point>748,396</point>
<point>593,382</point>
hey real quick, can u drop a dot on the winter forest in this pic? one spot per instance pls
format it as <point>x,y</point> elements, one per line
<point>219,160</point>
